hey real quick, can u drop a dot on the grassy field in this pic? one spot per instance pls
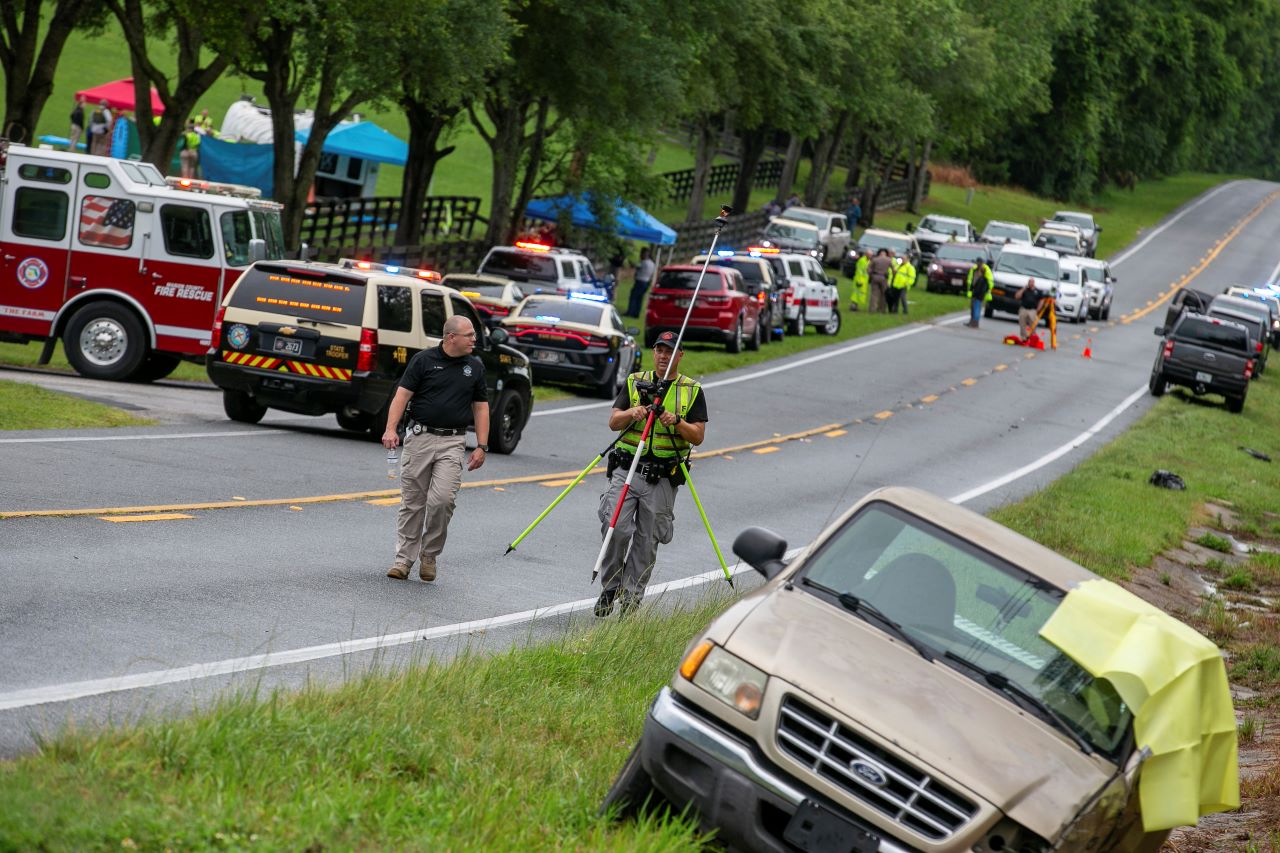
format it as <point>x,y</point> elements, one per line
<point>457,756</point>
<point>24,406</point>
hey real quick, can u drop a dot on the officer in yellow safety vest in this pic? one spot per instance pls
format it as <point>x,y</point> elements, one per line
<point>646,518</point>
<point>977,289</point>
<point>904,276</point>
<point>204,123</point>
<point>189,150</point>
<point>861,280</point>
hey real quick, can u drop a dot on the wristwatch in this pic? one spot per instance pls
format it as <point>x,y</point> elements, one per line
<point>483,447</point>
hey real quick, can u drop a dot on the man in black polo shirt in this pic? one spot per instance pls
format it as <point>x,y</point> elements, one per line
<point>443,388</point>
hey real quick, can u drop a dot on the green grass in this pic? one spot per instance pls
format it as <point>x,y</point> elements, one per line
<point>1213,543</point>
<point>1128,520</point>
<point>510,752</point>
<point>24,406</point>
<point>27,355</point>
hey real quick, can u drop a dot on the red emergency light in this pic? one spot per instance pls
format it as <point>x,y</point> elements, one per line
<point>532,247</point>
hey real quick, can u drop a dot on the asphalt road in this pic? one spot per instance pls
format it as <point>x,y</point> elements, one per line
<point>285,580</point>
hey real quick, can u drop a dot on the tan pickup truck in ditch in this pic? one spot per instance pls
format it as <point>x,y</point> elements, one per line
<point>894,688</point>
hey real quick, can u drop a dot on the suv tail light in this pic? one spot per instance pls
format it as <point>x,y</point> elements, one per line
<point>215,337</point>
<point>368,356</point>
<point>716,301</point>
<point>1248,369</point>
<point>1168,349</point>
<point>1258,346</point>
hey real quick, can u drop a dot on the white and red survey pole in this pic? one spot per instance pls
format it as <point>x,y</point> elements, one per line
<point>725,212</point>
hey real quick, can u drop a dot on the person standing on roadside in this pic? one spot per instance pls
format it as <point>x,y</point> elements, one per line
<point>1029,302</point>
<point>100,129</point>
<point>977,287</point>
<point>648,512</point>
<point>189,150</point>
<point>861,280</point>
<point>904,277</point>
<point>644,275</point>
<point>878,273</point>
<point>444,392</point>
<point>77,125</point>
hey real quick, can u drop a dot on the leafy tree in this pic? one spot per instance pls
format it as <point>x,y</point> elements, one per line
<point>28,62</point>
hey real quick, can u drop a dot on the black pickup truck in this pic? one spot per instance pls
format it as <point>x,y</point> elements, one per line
<point>1206,354</point>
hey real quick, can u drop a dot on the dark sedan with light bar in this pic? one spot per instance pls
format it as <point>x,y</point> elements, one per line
<point>493,296</point>
<point>578,339</point>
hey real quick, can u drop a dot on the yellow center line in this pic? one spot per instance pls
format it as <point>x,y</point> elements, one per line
<point>1204,262</point>
<point>836,433</point>
<point>1000,367</point>
<point>559,484</point>
<point>968,381</point>
<point>384,501</point>
<point>773,448</point>
<point>929,399</point>
<point>156,516</point>
<point>885,415</point>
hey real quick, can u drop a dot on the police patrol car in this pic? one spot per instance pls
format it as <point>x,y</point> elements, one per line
<point>578,338</point>
<point>494,296</point>
<point>314,338</point>
<point>543,268</point>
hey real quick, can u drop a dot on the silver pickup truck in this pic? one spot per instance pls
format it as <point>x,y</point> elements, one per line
<point>1207,354</point>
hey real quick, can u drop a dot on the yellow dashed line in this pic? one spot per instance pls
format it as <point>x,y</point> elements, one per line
<point>773,448</point>
<point>929,399</point>
<point>296,508</point>
<point>558,484</point>
<point>836,433</point>
<point>968,382</point>
<point>885,415</point>
<point>384,501</point>
<point>1000,367</point>
<point>155,516</point>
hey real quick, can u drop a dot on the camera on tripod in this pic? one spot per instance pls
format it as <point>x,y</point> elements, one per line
<point>649,391</point>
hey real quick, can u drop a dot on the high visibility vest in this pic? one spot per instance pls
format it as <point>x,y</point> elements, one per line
<point>968,282</point>
<point>904,276</point>
<point>663,441</point>
<point>192,139</point>
<point>862,272</point>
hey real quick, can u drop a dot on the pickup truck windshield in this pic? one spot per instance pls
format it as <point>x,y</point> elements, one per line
<point>1074,219</point>
<point>964,603</point>
<point>514,263</point>
<point>785,231</point>
<point>1000,232</point>
<point>875,242</point>
<point>1213,334</point>
<point>942,226</point>
<point>949,252</point>
<point>1029,265</point>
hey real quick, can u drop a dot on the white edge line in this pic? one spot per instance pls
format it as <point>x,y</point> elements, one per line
<point>155,437</point>
<point>1080,439</point>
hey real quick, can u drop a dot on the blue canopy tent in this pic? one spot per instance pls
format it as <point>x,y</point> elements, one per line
<point>630,222</point>
<point>364,140</point>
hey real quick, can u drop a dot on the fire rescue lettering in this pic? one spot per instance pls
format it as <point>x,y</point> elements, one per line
<point>193,292</point>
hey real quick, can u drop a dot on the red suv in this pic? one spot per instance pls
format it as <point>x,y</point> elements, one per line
<point>724,312</point>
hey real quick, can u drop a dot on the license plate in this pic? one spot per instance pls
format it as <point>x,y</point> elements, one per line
<point>1201,376</point>
<point>957,281</point>
<point>547,356</point>
<point>288,346</point>
<point>682,303</point>
<point>814,828</point>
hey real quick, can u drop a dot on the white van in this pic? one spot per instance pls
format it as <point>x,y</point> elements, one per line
<point>1016,266</point>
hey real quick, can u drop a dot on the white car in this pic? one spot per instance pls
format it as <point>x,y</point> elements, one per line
<point>1000,232</point>
<point>1089,229</point>
<point>1062,238</point>
<point>1100,283</point>
<point>934,230</point>
<point>1015,267</point>
<point>1072,300</point>
<point>809,295</point>
<point>543,269</point>
<point>833,229</point>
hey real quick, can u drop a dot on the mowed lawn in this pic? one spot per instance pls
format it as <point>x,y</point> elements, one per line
<point>24,406</point>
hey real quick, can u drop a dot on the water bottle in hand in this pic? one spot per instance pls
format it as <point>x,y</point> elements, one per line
<point>393,463</point>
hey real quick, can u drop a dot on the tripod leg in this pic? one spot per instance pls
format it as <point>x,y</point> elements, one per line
<point>554,503</point>
<point>705,523</point>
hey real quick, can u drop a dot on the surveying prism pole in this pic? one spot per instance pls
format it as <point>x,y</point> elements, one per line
<point>725,212</point>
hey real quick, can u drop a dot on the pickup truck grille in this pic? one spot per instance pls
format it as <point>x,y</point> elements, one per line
<point>907,795</point>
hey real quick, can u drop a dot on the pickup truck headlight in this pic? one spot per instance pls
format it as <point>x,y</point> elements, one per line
<point>726,677</point>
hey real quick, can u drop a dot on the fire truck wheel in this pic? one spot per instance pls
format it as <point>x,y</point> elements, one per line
<point>105,340</point>
<point>239,406</point>
<point>157,366</point>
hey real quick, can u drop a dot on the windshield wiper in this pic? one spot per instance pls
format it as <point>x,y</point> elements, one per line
<point>303,320</point>
<point>1002,682</point>
<point>864,608</point>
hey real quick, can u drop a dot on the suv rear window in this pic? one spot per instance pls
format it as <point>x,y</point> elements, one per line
<point>1213,334</point>
<point>516,264</point>
<point>749,267</point>
<point>687,280</point>
<point>318,296</point>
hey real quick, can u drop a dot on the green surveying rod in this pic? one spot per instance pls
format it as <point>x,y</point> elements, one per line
<point>562,495</point>
<point>707,524</point>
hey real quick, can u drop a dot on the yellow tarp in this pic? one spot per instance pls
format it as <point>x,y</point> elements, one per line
<point>1174,681</point>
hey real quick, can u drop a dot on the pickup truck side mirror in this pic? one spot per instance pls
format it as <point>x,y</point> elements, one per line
<point>499,336</point>
<point>762,550</point>
<point>632,330</point>
<point>1159,331</point>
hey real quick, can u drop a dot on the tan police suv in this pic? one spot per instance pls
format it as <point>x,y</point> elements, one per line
<point>888,690</point>
<point>314,338</point>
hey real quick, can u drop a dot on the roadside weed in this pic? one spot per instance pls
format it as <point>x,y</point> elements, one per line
<point>1213,543</point>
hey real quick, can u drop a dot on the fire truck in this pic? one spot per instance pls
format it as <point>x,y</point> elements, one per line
<point>126,267</point>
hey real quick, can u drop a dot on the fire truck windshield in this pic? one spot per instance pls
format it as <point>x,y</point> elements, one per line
<point>236,233</point>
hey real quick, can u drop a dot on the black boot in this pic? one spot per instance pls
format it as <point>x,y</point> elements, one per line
<point>604,604</point>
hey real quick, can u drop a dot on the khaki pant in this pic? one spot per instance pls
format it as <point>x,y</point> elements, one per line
<point>877,302</point>
<point>647,520</point>
<point>1028,319</point>
<point>430,476</point>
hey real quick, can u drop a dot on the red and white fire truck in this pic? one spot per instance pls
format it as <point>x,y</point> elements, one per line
<point>127,267</point>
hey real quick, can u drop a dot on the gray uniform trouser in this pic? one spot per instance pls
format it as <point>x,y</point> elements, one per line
<point>430,476</point>
<point>646,521</point>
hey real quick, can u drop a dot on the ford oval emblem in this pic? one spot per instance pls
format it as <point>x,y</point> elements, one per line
<point>869,773</point>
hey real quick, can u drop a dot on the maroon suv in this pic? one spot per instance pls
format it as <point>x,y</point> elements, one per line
<point>952,263</point>
<point>724,313</point>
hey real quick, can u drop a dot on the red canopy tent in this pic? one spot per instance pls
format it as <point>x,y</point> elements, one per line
<point>119,96</point>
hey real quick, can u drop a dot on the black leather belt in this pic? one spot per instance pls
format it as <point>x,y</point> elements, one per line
<point>418,429</point>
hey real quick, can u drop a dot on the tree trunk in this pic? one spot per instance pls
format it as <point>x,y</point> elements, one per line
<point>425,127</point>
<point>537,144</point>
<point>282,100</point>
<point>508,118</point>
<point>883,178</point>
<point>753,143</point>
<point>824,155</point>
<point>789,167</point>
<point>28,65</point>
<point>702,157</point>
<point>854,177</point>
<point>922,171</point>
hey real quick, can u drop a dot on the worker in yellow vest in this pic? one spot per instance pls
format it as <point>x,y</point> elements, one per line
<point>189,150</point>
<point>646,517</point>
<point>904,277</point>
<point>861,280</point>
<point>978,284</point>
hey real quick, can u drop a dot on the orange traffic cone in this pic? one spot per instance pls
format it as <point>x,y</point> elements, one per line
<point>1088,349</point>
